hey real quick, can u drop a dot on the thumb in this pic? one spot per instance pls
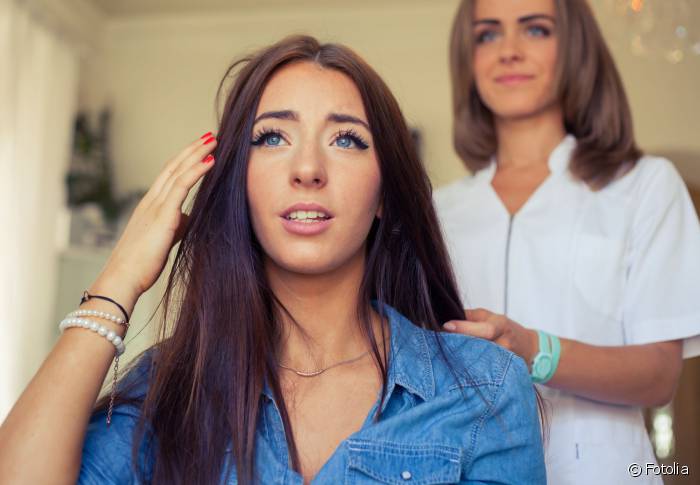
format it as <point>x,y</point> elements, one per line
<point>484,330</point>
<point>477,314</point>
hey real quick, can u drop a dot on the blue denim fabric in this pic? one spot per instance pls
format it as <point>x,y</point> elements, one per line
<point>478,427</point>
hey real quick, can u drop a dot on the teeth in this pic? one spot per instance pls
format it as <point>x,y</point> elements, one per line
<point>307,215</point>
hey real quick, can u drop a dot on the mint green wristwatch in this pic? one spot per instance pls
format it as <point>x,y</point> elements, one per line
<point>545,363</point>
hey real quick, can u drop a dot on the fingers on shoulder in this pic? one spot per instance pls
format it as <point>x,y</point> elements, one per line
<point>474,329</point>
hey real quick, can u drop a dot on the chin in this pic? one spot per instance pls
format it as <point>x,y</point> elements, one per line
<point>303,263</point>
<point>519,105</point>
<point>518,110</point>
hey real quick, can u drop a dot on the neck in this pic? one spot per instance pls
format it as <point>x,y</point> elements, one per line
<point>324,306</point>
<point>528,141</point>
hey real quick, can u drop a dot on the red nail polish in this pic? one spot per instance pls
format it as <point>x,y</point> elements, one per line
<point>208,158</point>
<point>208,133</point>
<point>209,140</point>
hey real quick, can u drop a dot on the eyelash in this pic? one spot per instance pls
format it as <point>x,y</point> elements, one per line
<point>354,136</point>
<point>264,133</point>
<point>545,31</point>
<point>480,37</point>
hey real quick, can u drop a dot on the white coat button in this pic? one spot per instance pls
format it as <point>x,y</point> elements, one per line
<point>406,475</point>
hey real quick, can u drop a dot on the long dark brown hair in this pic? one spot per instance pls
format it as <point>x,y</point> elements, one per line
<point>593,99</point>
<point>209,368</point>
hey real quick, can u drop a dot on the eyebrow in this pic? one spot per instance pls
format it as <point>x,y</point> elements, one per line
<point>278,115</point>
<point>345,118</point>
<point>294,116</point>
<point>521,20</point>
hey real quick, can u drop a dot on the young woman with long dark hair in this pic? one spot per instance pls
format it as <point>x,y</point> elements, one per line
<point>306,300</point>
<point>573,250</point>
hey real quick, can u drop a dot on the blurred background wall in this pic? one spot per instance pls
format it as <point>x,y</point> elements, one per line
<point>159,63</point>
<point>156,64</point>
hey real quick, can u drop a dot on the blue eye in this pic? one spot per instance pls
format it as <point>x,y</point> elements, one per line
<point>350,139</point>
<point>538,31</point>
<point>485,36</point>
<point>273,139</point>
<point>344,142</point>
<point>268,138</point>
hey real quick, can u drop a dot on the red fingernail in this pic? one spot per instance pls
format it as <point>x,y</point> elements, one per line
<point>205,135</point>
<point>209,140</point>
<point>208,158</point>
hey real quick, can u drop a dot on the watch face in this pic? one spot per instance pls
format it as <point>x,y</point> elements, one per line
<point>542,365</point>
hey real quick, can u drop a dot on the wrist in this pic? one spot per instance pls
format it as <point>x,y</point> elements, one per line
<point>102,306</point>
<point>545,363</point>
<point>115,289</point>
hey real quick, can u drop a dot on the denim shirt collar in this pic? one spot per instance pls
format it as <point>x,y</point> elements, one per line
<point>410,361</point>
<point>410,365</point>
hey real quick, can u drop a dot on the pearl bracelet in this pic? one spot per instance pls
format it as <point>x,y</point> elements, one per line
<point>110,335</point>
<point>96,313</point>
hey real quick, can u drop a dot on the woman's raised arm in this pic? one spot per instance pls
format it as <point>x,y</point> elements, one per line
<point>42,437</point>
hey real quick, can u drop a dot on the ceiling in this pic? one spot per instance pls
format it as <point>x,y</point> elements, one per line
<point>128,8</point>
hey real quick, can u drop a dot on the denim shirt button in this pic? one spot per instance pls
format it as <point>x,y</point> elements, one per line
<point>406,475</point>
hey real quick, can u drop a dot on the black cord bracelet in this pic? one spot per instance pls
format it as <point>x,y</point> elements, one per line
<point>86,296</point>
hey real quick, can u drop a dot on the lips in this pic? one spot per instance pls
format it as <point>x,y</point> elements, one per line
<point>306,226</point>
<point>307,207</point>
<point>513,78</point>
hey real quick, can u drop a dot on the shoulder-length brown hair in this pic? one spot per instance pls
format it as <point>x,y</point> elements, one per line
<point>593,100</point>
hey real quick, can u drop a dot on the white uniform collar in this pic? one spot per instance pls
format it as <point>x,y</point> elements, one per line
<point>558,160</point>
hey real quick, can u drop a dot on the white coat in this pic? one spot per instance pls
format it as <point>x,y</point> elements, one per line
<point>614,267</point>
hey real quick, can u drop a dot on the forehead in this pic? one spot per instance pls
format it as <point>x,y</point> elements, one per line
<point>511,9</point>
<point>309,87</point>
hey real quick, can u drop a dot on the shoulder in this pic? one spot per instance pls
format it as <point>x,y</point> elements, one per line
<point>648,193</point>
<point>464,362</point>
<point>440,362</point>
<point>651,177</point>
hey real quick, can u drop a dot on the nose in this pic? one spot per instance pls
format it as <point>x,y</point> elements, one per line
<point>308,168</point>
<point>510,50</point>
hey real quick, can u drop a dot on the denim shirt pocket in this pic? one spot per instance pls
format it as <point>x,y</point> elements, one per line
<point>372,462</point>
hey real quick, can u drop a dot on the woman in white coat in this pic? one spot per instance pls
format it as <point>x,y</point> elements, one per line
<point>574,250</point>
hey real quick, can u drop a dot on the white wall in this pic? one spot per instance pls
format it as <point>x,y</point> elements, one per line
<point>38,85</point>
<point>160,74</point>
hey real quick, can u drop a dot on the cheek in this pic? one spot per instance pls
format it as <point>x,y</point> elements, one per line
<point>484,61</point>
<point>480,63</point>
<point>360,191</point>
<point>546,58</point>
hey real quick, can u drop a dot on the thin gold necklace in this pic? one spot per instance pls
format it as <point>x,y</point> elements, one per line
<point>314,373</point>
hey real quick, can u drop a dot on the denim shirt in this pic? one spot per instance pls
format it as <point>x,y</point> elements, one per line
<point>478,427</point>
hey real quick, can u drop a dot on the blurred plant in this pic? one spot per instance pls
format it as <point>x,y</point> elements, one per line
<point>89,178</point>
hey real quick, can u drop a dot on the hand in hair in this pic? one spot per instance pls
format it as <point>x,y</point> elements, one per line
<point>158,222</point>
